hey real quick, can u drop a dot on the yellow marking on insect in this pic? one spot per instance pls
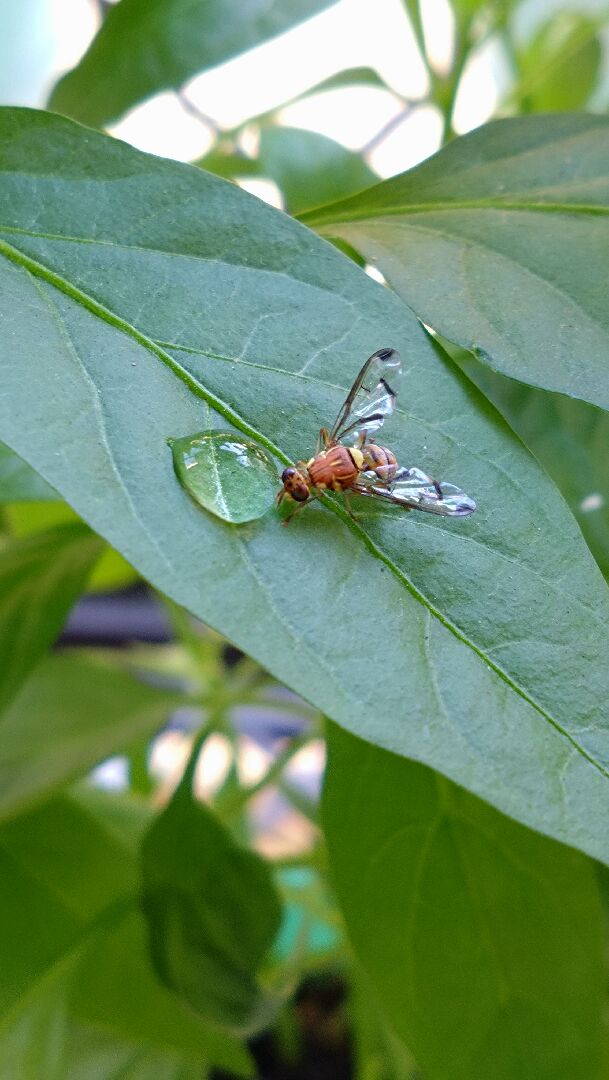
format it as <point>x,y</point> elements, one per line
<point>310,462</point>
<point>357,457</point>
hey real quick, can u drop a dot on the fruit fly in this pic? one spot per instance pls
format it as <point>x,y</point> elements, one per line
<point>348,460</point>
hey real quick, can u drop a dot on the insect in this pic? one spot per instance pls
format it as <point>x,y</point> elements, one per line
<point>348,460</point>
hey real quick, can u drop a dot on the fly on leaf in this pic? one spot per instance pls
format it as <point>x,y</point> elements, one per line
<point>348,460</point>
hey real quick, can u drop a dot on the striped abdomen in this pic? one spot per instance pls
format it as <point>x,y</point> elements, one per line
<point>380,460</point>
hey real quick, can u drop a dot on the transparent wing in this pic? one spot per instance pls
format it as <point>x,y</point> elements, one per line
<point>372,397</point>
<point>414,490</point>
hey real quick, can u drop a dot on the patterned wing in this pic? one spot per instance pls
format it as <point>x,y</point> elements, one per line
<point>371,399</point>
<point>414,490</point>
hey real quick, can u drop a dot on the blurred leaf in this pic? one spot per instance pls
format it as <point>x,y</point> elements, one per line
<point>19,482</point>
<point>145,46</point>
<point>70,714</point>
<point>229,163</point>
<point>213,308</point>
<point>500,242</point>
<point>59,874</point>
<point>560,68</point>
<point>111,571</point>
<point>354,76</point>
<point>568,437</point>
<point>73,951</point>
<point>309,168</point>
<point>483,939</point>
<point>212,911</point>
<point>379,1053</point>
<point>40,579</point>
<point>116,989</point>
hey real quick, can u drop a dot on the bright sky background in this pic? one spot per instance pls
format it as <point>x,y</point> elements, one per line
<point>45,37</point>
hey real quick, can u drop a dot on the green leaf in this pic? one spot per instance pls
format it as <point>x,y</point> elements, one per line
<point>477,646</point>
<point>73,948</point>
<point>19,482</point>
<point>560,67</point>
<point>568,437</point>
<point>483,939</point>
<point>353,76</point>
<point>145,46</point>
<point>69,716</point>
<point>228,161</point>
<point>40,579</point>
<point>110,571</point>
<point>500,243</point>
<point>212,911</point>
<point>117,989</point>
<point>309,168</point>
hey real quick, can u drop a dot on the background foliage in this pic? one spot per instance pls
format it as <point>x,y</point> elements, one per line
<point>454,877</point>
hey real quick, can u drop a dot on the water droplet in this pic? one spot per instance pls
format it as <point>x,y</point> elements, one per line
<point>230,476</point>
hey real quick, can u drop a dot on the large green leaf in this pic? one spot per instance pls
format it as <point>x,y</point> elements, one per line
<point>212,911</point>
<point>309,168</point>
<point>145,46</point>
<point>483,939</point>
<point>73,950</point>
<point>40,578</point>
<point>144,299</point>
<point>69,715</point>
<point>501,243</point>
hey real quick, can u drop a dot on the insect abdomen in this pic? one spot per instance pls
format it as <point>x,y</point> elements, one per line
<point>337,468</point>
<point>380,460</point>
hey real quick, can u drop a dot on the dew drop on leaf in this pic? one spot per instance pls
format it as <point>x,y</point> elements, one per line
<point>232,477</point>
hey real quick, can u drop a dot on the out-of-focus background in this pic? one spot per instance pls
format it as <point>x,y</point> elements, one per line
<point>363,90</point>
<point>538,55</point>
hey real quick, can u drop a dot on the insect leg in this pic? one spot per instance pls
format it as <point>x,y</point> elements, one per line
<point>299,506</point>
<point>348,506</point>
<point>323,440</point>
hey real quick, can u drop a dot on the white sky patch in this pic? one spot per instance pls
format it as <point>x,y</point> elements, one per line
<point>351,115</point>
<point>266,190</point>
<point>439,31</point>
<point>485,79</point>
<point>415,139</point>
<point>163,126</point>
<point>349,34</point>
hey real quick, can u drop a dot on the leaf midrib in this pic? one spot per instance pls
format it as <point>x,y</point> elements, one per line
<point>324,217</point>
<point>38,269</point>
